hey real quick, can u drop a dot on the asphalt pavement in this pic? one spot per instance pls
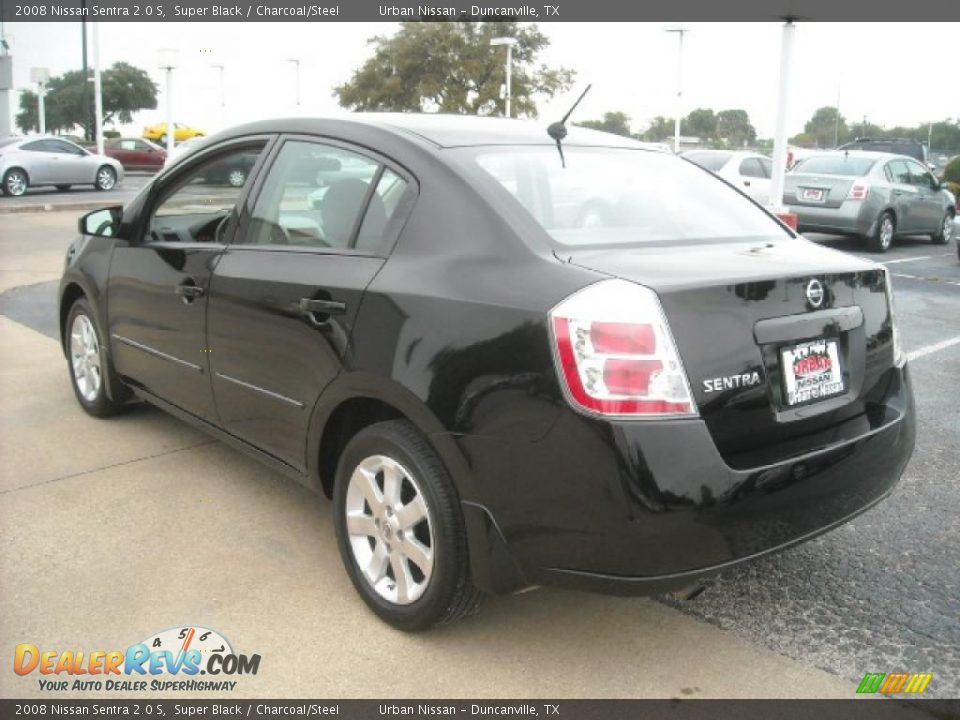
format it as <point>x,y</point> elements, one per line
<point>78,198</point>
<point>114,529</point>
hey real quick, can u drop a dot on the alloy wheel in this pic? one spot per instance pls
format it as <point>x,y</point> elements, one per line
<point>85,358</point>
<point>390,530</point>
<point>886,231</point>
<point>236,178</point>
<point>106,178</point>
<point>947,228</point>
<point>16,183</point>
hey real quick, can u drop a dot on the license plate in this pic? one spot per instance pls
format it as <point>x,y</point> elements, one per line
<point>811,371</point>
<point>812,194</point>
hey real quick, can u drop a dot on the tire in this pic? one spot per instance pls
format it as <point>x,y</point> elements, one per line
<point>882,237</point>
<point>945,233</point>
<point>106,178</point>
<point>15,182</point>
<point>438,584</point>
<point>63,188</point>
<point>88,362</point>
<point>236,178</point>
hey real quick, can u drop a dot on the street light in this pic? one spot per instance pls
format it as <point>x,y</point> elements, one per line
<point>40,76</point>
<point>296,90</point>
<point>223,97</point>
<point>509,42</point>
<point>168,61</point>
<point>680,30</point>
<point>780,129</point>
<point>97,90</point>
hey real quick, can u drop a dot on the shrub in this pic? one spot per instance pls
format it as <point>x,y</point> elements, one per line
<point>951,173</point>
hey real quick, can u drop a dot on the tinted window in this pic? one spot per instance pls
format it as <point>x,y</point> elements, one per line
<point>767,166</point>
<point>194,206</point>
<point>835,165</point>
<point>292,210</point>
<point>898,172</point>
<point>920,176</point>
<point>712,161</point>
<point>35,146</point>
<point>383,203</point>
<point>607,196</point>
<point>63,148</point>
<point>751,167</point>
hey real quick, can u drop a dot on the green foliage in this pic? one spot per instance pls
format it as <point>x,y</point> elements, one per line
<point>615,122</point>
<point>954,187</point>
<point>951,173</point>
<point>451,66</point>
<point>125,88</point>
<point>660,129</point>
<point>826,129</point>
<point>735,127</point>
<point>701,123</point>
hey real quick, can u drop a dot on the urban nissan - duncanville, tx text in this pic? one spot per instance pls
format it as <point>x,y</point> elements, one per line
<point>509,358</point>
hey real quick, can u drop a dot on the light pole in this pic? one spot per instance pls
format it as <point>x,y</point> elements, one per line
<point>168,61</point>
<point>40,76</point>
<point>780,130</point>
<point>296,90</point>
<point>223,94</point>
<point>680,30</point>
<point>509,42</point>
<point>97,90</point>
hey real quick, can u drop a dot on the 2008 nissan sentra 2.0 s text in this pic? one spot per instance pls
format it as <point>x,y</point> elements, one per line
<point>508,362</point>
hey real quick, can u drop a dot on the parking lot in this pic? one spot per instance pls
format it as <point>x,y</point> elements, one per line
<point>115,529</point>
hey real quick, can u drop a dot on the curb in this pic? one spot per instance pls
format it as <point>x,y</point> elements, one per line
<point>56,207</point>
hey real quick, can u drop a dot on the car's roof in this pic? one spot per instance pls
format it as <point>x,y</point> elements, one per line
<point>865,154</point>
<point>444,131</point>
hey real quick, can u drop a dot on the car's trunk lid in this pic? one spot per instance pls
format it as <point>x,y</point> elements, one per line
<point>827,191</point>
<point>733,309</point>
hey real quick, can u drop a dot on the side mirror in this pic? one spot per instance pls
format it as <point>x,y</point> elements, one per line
<point>103,223</point>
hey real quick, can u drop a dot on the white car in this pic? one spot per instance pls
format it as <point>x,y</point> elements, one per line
<point>748,172</point>
<point>48,160</point>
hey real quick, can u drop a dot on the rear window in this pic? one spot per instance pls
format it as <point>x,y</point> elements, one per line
<point>835,165</point>
<point>607,196</point>
<point>709,161</point>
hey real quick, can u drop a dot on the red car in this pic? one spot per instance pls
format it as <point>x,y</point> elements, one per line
<point>134,153</point>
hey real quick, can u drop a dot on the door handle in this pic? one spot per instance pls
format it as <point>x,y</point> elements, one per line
<point>322,307</point>
<point>747,183</point>
<point>189,291</point>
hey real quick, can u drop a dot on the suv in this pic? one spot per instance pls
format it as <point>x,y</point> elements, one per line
<point>894,146</point>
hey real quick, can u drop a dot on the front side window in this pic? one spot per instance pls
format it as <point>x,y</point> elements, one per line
<point>63,148</point>
<point>898,172</point>
<point>195,207</point>
<point>920,176</point>
<point>315,196</point>
<point>607,196</point>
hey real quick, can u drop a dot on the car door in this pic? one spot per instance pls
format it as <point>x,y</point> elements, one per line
<point>158,284</point>
<point>753,179</point>
<point>145,156</point>
<point>70,164</point>
<point>287,289</point>
<point>929,199</point>
<point>37,161</point>
<point>904,196</point>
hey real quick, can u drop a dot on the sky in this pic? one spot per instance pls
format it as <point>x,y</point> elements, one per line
<point>632,66</point>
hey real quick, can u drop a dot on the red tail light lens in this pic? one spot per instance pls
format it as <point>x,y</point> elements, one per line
<point>858,191</point>
<point>615,353</point>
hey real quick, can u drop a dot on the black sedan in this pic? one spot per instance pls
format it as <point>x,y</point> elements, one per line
<point>497,388</point>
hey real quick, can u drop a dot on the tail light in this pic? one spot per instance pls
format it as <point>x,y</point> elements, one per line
<point>859,191</point>
<point>898,356</point>
<point>615,354</point>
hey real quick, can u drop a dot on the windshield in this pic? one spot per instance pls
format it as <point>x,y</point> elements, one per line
<point>835,165</point>
<point>607,196</point>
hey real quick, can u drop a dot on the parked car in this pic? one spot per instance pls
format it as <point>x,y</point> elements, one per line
<point>232,170</point>
<point>134,154</point>
<point>181,132</point>
<point>38,160</point>
<point>871,195</point>
<point>748,172</point>
<point>492,397</point>
<point>892,146</point>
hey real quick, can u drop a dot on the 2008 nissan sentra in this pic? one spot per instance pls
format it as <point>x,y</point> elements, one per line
<point>509,362</point>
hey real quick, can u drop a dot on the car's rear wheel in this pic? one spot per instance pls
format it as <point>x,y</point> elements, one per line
<point>63,188</point>
<point>236,178</point>
<point>88,362</point>
<point>15,182</point>
<point>106,178</point>
<point>945,233</point>
<point>882,237</point>
<point>400,528</point>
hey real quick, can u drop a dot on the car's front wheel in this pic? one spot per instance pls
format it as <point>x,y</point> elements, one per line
<point>88,362</point>
<point>400,528</point>
<point>236,178</point>
<point>15,182</point>
<point>106,178</point>
<point>882,237</point>
<point>945,233</point>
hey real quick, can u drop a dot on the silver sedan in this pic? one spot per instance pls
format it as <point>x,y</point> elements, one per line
<point>46,160</point>
<point>872,195</point>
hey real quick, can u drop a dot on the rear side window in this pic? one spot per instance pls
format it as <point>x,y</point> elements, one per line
<point>324,196</point>
<point>751,167</point>
<point>713,161</point>
<point>835,165</point>
<point>606,196</point>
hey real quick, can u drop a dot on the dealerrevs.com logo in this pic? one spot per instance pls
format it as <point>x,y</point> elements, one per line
<point>167,661</point>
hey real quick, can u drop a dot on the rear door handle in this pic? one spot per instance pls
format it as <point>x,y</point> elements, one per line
<point>322,307</point>
<point>189,291</point>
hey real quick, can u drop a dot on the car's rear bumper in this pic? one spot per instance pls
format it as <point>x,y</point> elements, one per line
<point>641,508</point>
<point>851,218</point>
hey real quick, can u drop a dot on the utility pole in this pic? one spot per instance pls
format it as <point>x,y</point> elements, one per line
<point>86,73</point>
<point>296,90</point>
<point>836,121</point>
<point>41,76</point>
<point>509,42</point>
<point>680,30</point>
<point>97,89</point>
<point>168,61</point>
<point>780,132</point>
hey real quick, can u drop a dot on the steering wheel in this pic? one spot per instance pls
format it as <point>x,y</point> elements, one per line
<point>221,227</point>
<point>279,234</point>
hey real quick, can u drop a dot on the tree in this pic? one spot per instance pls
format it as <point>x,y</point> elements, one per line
<point>450,67</point>
<point>660,128</point>
<point>826,129</point>
<point>701,123</point>
<point>734,127</point>
<point>126,89</point>
<point>617,123</point>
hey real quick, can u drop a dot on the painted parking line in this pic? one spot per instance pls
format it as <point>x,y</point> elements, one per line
<point>936,347</point>
<point>913,259</point>
<point>928,279</point>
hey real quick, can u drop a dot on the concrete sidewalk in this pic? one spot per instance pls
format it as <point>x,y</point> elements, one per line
<point>115,529</point>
